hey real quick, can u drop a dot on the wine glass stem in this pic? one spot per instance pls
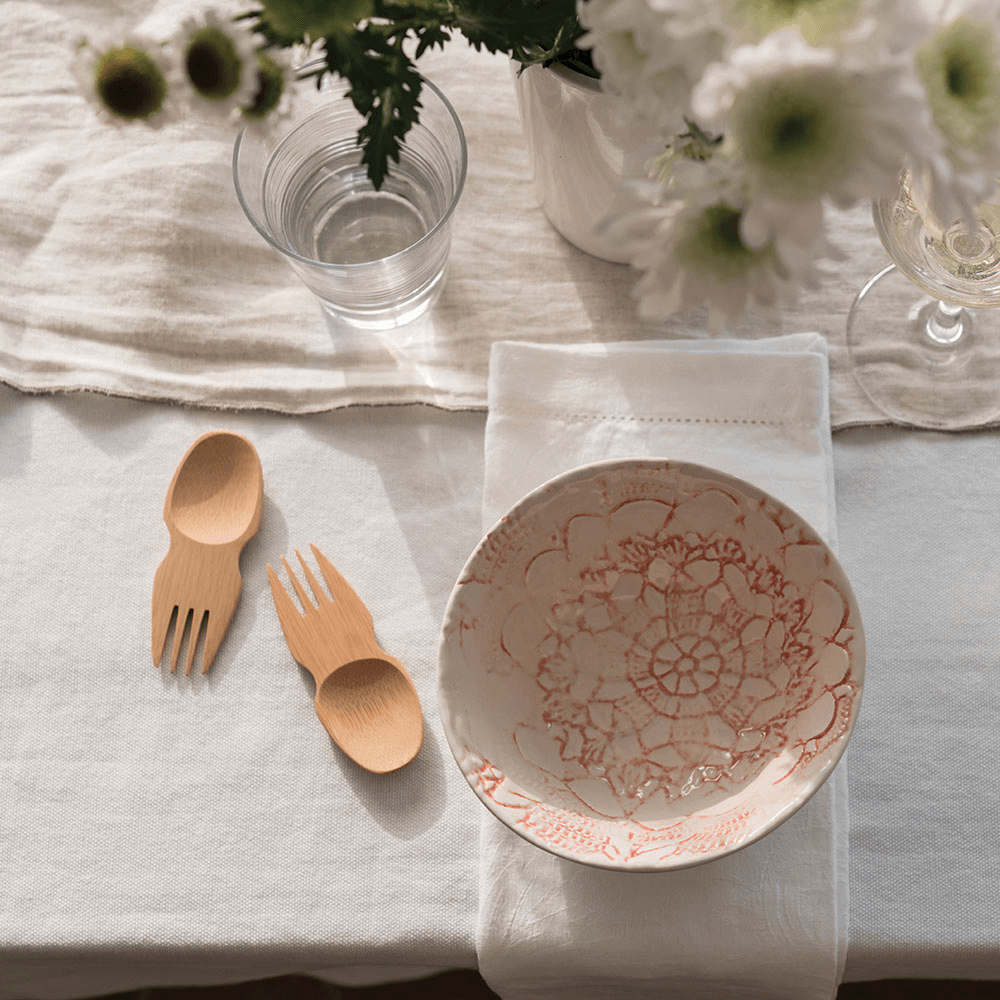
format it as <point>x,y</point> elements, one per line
<point>945,324</point>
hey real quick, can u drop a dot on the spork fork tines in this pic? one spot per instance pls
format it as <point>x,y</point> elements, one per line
<point>196,589</point>
<point>365,698</point>
<point>212,510</point>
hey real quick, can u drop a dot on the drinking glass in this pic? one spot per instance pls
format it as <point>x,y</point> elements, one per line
<point>375,259</point>
<point>923,335</point>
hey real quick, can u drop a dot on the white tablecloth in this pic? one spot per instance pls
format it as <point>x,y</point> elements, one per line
<point>918,527</point>
<point>137,844</point>
<point>156,828</point>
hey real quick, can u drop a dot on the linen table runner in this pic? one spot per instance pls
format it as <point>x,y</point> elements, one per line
<point>127,266</point>
<point>766,922</point>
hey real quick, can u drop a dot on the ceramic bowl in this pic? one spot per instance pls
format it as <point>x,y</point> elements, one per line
<point>647,664</point>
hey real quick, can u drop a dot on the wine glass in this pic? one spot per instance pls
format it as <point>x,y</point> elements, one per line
<point>923,335</point>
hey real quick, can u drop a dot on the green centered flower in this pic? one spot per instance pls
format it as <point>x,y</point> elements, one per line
<point>817,20</point>
<point>710,241</point>
<point>129,83</point>
<point>797,131</point>
<point>217,58</point>
<point>807,122</point>
<point>212,63</point>
<point>270,88</point>
<point>958,67</point>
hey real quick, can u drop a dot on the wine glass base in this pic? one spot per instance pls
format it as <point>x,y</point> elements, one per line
<point>947,383</point>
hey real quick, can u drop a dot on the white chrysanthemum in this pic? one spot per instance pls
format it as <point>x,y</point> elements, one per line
<point>692,251</point>
<point>652,51</point>
<point>216,59</point>
<point>126,80</point>
<point>272,101</point>
<point>808,123</point>
<point>958,67</point>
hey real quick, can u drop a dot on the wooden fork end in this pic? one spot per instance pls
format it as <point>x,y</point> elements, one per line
<point>161,627</point>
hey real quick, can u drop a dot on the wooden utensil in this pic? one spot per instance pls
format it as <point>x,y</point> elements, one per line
<point>212,509</point>
<point>365,698</point>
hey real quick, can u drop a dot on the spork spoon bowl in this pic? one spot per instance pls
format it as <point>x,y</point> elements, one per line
<point>365,698</point>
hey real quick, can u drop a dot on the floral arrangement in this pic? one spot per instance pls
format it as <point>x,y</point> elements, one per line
<point>241,68</point>
<point>774,110</point>
<point>769,111</point>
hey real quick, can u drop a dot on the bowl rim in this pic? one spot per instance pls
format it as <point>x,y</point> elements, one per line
<point>669,467</point>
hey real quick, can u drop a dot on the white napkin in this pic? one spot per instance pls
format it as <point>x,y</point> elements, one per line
<point>770,921</point>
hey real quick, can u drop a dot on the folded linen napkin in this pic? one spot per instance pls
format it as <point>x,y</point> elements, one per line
<point>766,922</point>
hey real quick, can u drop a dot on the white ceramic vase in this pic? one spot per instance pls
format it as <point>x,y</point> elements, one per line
<point>582,149</point>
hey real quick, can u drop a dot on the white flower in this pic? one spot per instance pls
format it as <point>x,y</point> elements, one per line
<point>957,66</point>
<point>126,80</point>
<point>652,51</point>
<point>272,100</point>
<point>809,124</point>
<point>216,59</point>
<point>692,251</point>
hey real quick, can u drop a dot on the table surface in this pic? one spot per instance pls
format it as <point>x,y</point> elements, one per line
<point>106,871</point>
<point>137,845</point>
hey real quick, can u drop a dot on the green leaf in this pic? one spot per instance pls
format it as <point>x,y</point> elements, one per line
<point>382,135</point>
<point>297,18</point>
<point>526,30</point>
<point>384,87</point>
<point>374,54</point>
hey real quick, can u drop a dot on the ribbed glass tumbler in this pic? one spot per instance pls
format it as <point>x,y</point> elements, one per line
<point>375,259</point>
